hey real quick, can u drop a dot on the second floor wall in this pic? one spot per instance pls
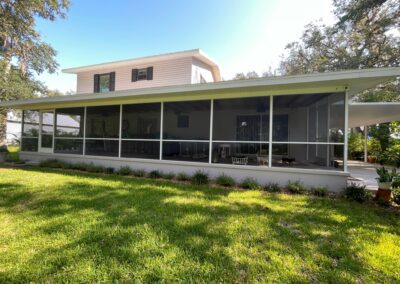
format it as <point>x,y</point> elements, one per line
<point>180,71</point>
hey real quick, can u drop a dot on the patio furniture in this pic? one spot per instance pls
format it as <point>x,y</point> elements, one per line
<point>224,150</point>
<point>240,160</point>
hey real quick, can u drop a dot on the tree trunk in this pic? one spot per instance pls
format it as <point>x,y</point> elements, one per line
<point>3,126</point>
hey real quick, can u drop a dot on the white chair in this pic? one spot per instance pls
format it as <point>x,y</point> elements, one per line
<point>240,160</point>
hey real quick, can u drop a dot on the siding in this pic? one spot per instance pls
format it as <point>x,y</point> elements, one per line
<point>165,73</point>
<point>200,68</point>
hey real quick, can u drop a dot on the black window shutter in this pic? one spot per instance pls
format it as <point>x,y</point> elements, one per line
<point>134,75</point>
<point>112,81</point>
<point>96,80</point>
<point>150,73</point>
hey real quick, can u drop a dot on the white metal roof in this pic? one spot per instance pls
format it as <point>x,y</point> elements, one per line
<point>196,53</point>
<point>353,81</point>
<point>361,114</point>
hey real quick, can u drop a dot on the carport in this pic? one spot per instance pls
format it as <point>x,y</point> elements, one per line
<point>363,115</point>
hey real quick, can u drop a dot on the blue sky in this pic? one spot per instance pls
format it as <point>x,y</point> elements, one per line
<point>239,35</point>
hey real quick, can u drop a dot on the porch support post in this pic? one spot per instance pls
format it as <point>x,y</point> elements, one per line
<point>365,143</point>
<point>211,131</point>
<point>84,131</point>
<point>161,129</point>
<point>120,132</point>
<point>271,116</point>
<point>346,129</point>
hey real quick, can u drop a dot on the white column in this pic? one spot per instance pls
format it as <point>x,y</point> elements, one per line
<point>346,129</point>
<point>161,129</point>
<point>211,130</point>
<point>120,131</point>
<point>84,131</point>
<point>271,107</point>
<point>365,143</point>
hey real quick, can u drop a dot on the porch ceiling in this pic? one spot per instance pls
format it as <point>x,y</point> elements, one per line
<point>361,114</point>
<point>353,81</point>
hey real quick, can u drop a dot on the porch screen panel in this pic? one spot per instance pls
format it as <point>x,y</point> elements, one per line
<point>186,131</point>
<point>241,131</point>
<point>30,131</point>
<point>141,131</point>
<point>69,131</point>
<point>102,131</point>
<point>305,130</point>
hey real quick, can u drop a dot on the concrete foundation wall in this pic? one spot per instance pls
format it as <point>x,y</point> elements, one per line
<point>334,181</point>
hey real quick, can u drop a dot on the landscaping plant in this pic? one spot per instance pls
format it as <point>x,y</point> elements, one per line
<point>155,174</point>
<point>200,178</point>
<point>319,191</point>
<point>250,183</point>
<point>124,171</point>
<point>296,187</point>
<point>224,180</point>
<point>272,187</point>
<point>183,177</point>
<point>357,192</point>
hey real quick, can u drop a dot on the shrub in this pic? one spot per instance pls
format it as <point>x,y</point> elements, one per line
<point>199,178</point>
<point>94,168</point>
<point>225,180</point>
<point>396,196</point>
<point>3,149</point>
<point>356,192</point>
<point>124,171</point>
<point>250,183</point>
<point>296,187</point>
<point>53,163</point>
<point>319,191</point>
<point>272,187</point>
<point>170,175</point>
<point>78,166</point>
<point>182,177</point>
<point>139,173</point>
<point>155,174</point>
<point>396,182</point>
<point>109,170</point>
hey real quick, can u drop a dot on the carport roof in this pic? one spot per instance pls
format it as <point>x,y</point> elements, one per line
<point>361,114</point>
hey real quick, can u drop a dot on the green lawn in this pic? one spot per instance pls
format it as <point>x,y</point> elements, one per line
<point>73,227</point>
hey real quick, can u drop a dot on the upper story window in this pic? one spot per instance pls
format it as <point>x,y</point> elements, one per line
<point>142,74</point>
<point>104,82</point>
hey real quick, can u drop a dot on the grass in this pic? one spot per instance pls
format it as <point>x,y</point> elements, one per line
<point>60,226</point>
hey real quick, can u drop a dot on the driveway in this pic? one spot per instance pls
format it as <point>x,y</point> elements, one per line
<point>364,173</point>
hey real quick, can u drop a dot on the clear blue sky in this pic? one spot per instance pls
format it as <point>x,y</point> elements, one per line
<point>240,35</point>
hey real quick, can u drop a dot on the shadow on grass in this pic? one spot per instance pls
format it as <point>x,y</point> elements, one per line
<point>131,226</point>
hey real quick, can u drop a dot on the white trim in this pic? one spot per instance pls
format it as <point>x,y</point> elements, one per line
<point>69,138</point>
<point>214,165</point>
<point>365,143</point>
<point>139,139</point>
<point>309,143</point>
<point>84,132</point>
<point>346,129</point>
<point>89,138</point>
<point>180,140</point>
<point>240,142</point>
<point>271,117</point>
<point>211,131</point>
<point>120,131</point>
<point>161,130</point>
<point>40,148</point>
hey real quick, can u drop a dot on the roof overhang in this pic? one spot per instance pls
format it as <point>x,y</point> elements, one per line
<point>196,53</point>
<point>352,81</point>
<point>361,114</point>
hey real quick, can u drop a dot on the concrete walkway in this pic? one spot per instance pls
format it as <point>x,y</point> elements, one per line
<point>364,173</point>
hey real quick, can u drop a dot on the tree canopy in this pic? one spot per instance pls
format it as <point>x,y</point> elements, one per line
<point>22,51</point>
<point>366,35</point>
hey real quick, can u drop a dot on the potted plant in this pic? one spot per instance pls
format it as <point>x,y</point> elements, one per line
<point>385,180</point>
<point>3,153</point>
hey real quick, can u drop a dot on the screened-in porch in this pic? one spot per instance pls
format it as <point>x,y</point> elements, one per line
<point>294,131</point>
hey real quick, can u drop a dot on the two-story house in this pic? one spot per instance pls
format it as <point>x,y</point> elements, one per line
<point>172,112</point>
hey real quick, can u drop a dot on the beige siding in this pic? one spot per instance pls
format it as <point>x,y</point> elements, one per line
<point>201,69</point>
<point>165,73</point>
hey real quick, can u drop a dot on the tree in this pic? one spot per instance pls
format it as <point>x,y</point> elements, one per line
<point>21,43</point>
<point>365,36</point>
<point>249,75</point>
